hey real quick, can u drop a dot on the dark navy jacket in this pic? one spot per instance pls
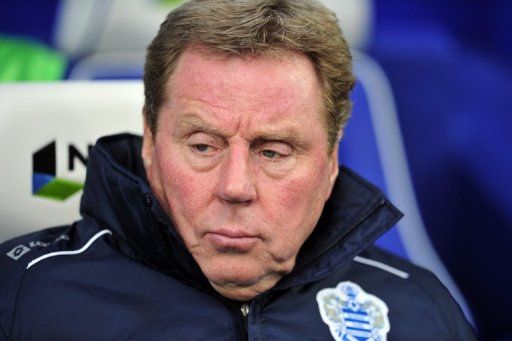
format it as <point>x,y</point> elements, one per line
<point>122,272</point>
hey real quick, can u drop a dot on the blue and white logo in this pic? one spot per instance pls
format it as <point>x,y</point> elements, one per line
<point>352,314</point>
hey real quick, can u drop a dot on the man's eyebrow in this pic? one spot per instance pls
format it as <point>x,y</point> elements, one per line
<point>193,122</point>
<point>288,135</point>
<point>277,136</point>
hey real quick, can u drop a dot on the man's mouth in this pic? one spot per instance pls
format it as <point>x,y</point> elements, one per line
<point>231,241</point>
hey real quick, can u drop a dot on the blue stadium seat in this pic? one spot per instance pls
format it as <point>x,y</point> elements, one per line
<point>454,104</point>
<point>373,146</point>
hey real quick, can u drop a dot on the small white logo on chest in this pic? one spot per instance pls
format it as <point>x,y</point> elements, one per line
<point>18,252</point>
<point>352,314</point>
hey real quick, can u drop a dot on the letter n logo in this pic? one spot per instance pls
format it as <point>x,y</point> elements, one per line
<point>45,182</point>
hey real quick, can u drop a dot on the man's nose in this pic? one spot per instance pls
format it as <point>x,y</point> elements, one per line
<point>236,182</point>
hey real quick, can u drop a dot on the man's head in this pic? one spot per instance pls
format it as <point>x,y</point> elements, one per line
<point>245,27</point>
<point>238,146</point>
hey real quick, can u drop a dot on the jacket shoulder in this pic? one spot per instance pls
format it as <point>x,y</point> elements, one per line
<point>19,254</point>
<point>425,284</point>
<point>15,254</point>
<point>18,250</point>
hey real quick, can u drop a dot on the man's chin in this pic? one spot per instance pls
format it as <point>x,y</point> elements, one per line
<point>232,280</point>
<point>242,294</point>
<point>241,277</point>
<point>242,285</point>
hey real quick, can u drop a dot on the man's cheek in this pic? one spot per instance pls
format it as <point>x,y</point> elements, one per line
<point>189,190</point>
<point>293,193</point>
<point>283,210</point>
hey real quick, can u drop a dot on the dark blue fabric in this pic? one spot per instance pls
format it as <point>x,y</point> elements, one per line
<point>131,282</point>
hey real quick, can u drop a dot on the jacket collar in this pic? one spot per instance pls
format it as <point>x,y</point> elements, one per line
<point>118,197</point>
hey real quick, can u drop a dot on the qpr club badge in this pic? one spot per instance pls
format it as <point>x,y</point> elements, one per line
<point>353,314</point>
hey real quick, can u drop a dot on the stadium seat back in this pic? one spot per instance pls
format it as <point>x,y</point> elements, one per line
<point>46,130</point>
<point>372,145</point>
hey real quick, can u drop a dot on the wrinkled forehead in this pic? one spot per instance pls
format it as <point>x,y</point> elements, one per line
<point>279,79</point>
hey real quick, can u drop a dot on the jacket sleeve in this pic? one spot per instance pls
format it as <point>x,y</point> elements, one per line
<point>15,254</point>
<point>3,335</point>
<point>456,323</point>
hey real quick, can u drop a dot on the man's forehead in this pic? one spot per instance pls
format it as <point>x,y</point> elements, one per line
<point>247,83</point>
<point>202,67</point>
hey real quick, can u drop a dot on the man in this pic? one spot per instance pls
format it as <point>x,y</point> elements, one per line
<point>230,220</point>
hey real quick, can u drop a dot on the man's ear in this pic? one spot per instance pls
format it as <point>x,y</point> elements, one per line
<point>334,160</point>
<point>333,169</point>
<point>147,148</point>
<point>334,164</point>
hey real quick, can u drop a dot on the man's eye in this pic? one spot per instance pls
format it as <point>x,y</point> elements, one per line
<point>270,154</point>
<point>201,147</point>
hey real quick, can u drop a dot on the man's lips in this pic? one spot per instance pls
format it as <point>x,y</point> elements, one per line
<point>227,240</point>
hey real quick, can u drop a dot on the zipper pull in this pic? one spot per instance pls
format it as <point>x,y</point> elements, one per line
<point>245,310</point>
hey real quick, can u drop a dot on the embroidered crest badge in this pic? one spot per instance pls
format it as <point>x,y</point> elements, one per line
<point>353,314</point>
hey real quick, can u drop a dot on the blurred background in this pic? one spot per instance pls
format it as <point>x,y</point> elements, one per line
<point>449,65</point>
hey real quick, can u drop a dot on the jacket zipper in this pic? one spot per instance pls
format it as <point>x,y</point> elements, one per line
<point>244,309</point>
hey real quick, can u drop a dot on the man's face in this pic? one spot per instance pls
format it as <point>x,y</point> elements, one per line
<point>240,163</point>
